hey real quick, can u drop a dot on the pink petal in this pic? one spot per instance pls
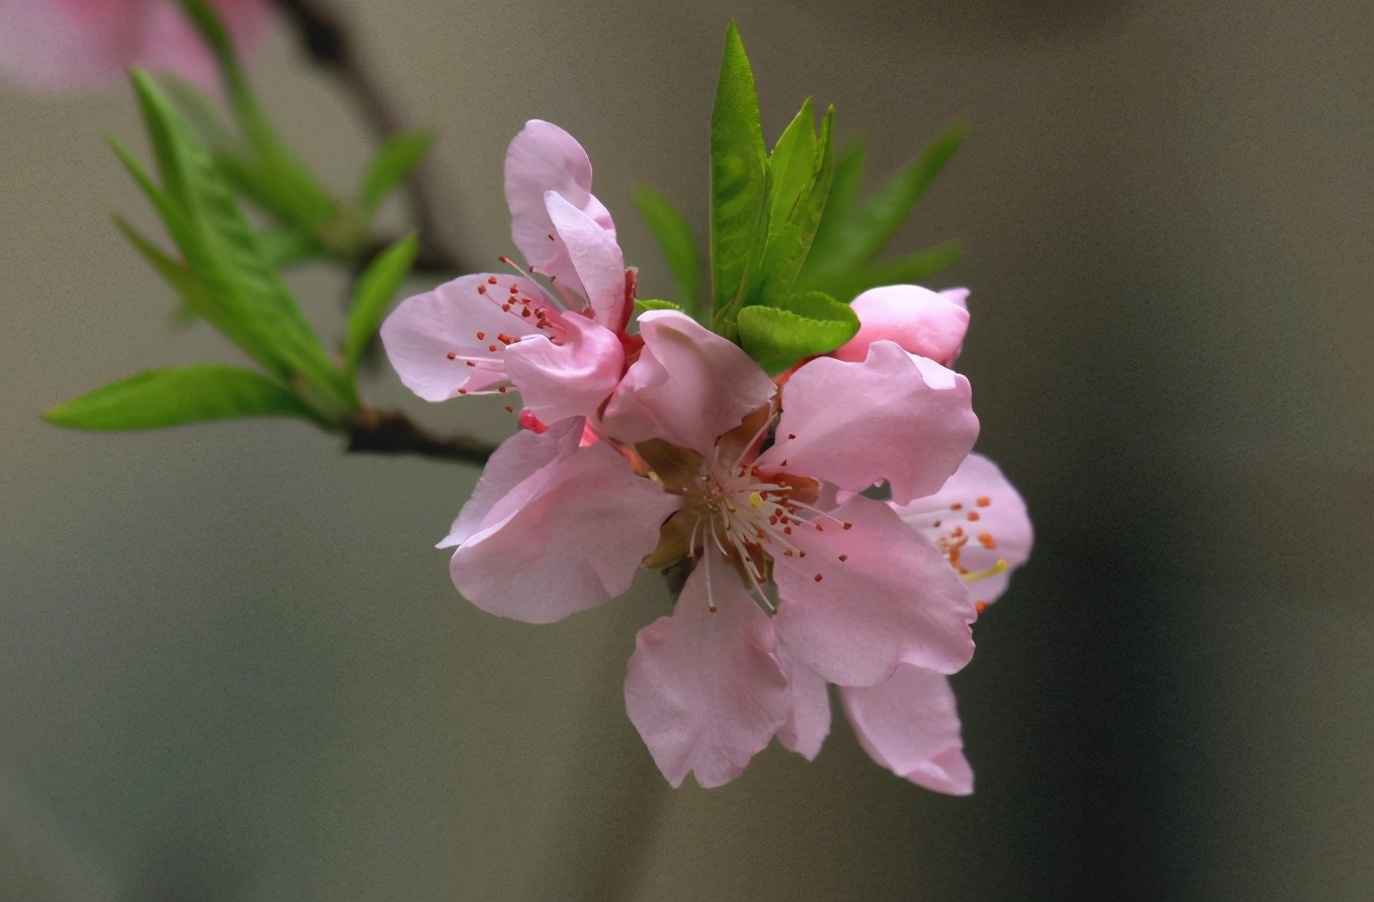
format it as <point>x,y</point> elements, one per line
<point>869,593</point>
<point>910,725</point>
<point>923,322</point>
<point>569,379</point>
<point>808,720</point>
<point>540,159</point>
<point>689,385</point>
<point>432,337</point>
<point>893,416</point>
<point>555,528</point>
<point>595,257</point>
<point>703,688</point>
<point>63,44</point>
<point>994,532</point>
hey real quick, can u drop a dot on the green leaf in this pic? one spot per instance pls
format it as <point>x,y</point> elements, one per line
<point>739,184</point>
<point>839,207</point>
<point>373,295</point>
<point>393,161</point>
<point>790,236</point>
<point>792,166</point>
<point>812,323</point>
<point>644,305</point>
<point>871,228</point>
<point>175,395</point>
<point>244,295</point>
<point>675,237</point>
<point>911,269</point>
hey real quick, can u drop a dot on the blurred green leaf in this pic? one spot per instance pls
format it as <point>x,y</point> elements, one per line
<point>739,185</point>
<point>839,207</point>
<point>373,295</point>
<point>244,295</point>
<point>393,161</point>
<point>176,395</point>
<point>796,211</point>
<point>675,237</point>
<point>812,323</point>
<point>911,269</point>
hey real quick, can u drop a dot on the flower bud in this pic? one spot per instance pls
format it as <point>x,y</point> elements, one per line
<point>924,322</point>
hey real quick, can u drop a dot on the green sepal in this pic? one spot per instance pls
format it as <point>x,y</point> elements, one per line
<point>675,238</point>
<point>373,295</point>
<point>393,161</point>
<point>739,185</point>
<point>809,324</point>
<point>644,305</point>
<point>175,395</point>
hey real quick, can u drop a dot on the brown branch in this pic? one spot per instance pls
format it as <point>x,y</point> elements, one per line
<point>372,432</point>
<point>327,40</point>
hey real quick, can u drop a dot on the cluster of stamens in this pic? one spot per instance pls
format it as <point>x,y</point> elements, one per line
<point>955,537</point>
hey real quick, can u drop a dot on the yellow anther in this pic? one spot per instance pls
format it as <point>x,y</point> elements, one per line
<point>756,499</point>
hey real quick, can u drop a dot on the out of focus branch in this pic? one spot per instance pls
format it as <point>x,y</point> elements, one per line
<point>326,38</point>
<point>395,433</point>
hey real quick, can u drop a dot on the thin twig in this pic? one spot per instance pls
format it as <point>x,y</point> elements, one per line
<point>327,40</point>
<point>372,432</point>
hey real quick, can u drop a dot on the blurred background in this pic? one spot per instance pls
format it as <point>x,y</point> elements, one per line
<point>232,666</point>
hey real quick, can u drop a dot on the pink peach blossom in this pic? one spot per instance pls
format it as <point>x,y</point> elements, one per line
<point>562,349</point>
<point>65,44</point>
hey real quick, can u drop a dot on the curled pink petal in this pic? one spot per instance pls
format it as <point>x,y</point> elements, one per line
<point>921,321</point>
<point>544,158</point>
<point>689,385</point>
<point>863,592</point>
<point>910,725</point>
<point>808,717</point>
<point>64,44</point>
<point>570,378</point>
<point>556,528</point>
<point>893,416</point>
<point>595,257</point>
<point>453,340</point>
<point>979,520</point>
<point>703,687</point>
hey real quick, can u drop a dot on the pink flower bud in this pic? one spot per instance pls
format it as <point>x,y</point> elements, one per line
<point>924,322</point>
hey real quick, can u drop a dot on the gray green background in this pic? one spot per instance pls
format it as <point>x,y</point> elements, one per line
<point>232,666</point>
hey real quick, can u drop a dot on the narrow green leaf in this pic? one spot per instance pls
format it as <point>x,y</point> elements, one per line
<point>839,207</point>
<point>175,395</point>
<point>792,165</point>
<point>789,242</point>
<point>739,183</point>
<point>675,237</point>
<point>286,247</point>
<point>175,274</point>
<point>779,338</point>
<point>911,269</point>
<point>873,226</point>
<point>245,296</point>
<point>644,305</point>
<point>373,295</point>
<point>393,161</point>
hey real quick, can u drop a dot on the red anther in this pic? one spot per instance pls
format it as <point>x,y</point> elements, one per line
<point>819,577</point>
<point>462,391</point>
<point>787,530</point>
<point>974,515</point>
<point>481,336</point>
<point>956,506</point>
<point>505,308</point>
<point>843,558</point>
<point>987,541</point>
<point>551,238</point>
<point>787,552</point>
<point>451,355</point>
<point>791,435</point>
<point>848,525</point>
<point>957,531</point>
<point>525,312</point>
<point>801,554</point>
<point>936,524</point>
<point>491,347</point>
<point>515,289</point>
<point>506,260</point>
<point>481,289</point>
<point>471,364</point>
<point>503,389</point>
<point>980,607</point>
<point>820,528</point>
<point>505,339</point>
<point>984,501</point>
<point>491,280</point>
<point>510,409</point>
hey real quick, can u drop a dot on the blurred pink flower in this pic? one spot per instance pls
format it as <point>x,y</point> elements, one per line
<point>563,349</point>
<point>66,44</point>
